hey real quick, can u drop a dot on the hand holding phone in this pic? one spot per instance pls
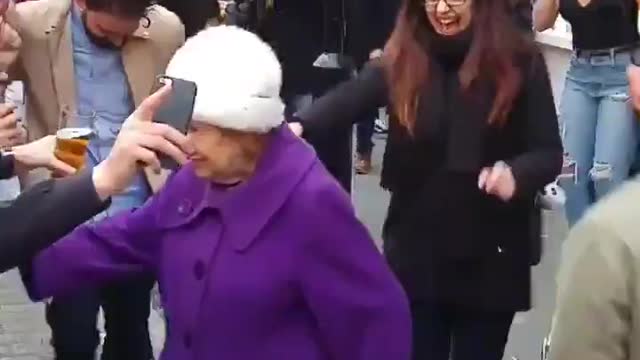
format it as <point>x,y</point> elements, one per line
<point>176,111</point>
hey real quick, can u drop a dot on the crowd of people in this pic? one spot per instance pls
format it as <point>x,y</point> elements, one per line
<point>253,240</point>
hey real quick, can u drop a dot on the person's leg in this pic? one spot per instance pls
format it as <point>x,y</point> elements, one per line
<point>73,322</point>
<point>364,142</point>
<point>578,114</point>
<point>479,335</point>
<point>431,331</point>
<point>126,310</point>
<point>616,141</point>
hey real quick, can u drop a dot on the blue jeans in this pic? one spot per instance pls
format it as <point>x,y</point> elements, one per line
<point>600,131</point>
<point>364,133</point>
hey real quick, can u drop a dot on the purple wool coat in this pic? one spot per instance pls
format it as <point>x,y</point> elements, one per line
<point>277,268</point>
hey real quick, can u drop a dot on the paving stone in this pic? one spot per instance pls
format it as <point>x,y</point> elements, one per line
<point>24,334</point>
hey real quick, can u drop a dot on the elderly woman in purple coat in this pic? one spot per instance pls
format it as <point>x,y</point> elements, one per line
<point>257,250</point>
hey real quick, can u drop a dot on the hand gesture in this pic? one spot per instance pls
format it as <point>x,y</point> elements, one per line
<point>11,132</point>
<point>40,154</point>
<point>296,128</point>
<point>375,54</point>
<point>137,145</point>
<point>4,6</point>
<point>498,181</point>
<point>9,37</point>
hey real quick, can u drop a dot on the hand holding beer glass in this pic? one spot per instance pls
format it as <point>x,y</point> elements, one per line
<point>39,154</point>
<point>71,146</point>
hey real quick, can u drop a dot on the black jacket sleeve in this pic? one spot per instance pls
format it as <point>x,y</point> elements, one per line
<point>541,163</point>
<point>6,166</point>
<point>44,214</point>
<point>347,102</point>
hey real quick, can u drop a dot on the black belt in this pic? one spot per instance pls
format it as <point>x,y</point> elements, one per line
<point>607,52</point>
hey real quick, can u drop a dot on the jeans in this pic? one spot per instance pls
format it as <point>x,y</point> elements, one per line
<point>443,332</point>
<point>600,131</point>
<point>126,305</point>
<point>364,133</point>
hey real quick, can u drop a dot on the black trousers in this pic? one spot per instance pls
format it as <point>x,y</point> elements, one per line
<point>126,306</point>
<point>364,133</point>
<point>443,332</point>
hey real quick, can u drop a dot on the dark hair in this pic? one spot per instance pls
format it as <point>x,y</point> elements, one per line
<point>125,8</point>
<point>194,14</point>
<point>491,58</point>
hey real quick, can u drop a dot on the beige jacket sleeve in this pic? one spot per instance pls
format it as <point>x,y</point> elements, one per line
<point>595,289</point>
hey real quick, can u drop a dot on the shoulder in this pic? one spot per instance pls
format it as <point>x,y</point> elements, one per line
<point>42,8</point>
<point>617,214</point>
<point>165,27</point>
<point>322,203</point>
<point>35,15</point>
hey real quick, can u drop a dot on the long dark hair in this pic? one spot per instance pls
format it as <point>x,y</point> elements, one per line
<point>492,58</point>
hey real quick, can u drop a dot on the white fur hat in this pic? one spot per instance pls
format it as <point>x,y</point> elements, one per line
<point>238,78</point>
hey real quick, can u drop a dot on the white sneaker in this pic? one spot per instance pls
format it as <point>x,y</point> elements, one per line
<point>553,197</point>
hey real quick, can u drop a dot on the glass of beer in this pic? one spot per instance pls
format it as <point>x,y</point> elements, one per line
<point>72,144</point>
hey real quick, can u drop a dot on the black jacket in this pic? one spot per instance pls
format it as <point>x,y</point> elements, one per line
<point>44,214</point>
<point>194,14</point>
<point>445,239</point>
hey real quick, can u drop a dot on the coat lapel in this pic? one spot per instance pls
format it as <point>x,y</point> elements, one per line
<point>137,56</point>
<point>283,166</point>
<point>59,40</point>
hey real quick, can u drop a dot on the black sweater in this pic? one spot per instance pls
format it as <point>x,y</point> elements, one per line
<point>445,239</point>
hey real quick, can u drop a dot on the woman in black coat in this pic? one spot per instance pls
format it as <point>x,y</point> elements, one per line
<point>473,138</point>
<point>194,14</point>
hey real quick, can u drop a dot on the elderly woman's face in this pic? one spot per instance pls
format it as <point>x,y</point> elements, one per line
<point>448,17</point>
<point>224,156</point>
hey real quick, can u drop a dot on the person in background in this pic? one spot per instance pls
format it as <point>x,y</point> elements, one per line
<point>598,296</point>
<point>196,15</point>
<point>298,277</point>
<point>88,63</point>
<point>473,138</point>
<point>600,129</point>
<point>35,220</point>
<point>371,24</point>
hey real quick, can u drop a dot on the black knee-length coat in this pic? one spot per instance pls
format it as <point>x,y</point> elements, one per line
<point>445,239</point>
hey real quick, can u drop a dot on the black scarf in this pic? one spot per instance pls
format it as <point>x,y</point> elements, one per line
<point>450,128</point>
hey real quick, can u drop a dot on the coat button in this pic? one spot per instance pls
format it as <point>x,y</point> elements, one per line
<point>185,208</point>
<point>198,270</point>
<point>187,340</point>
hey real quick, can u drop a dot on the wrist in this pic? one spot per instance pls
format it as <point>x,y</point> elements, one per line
<point>103,186</point>
<point>20,156</point>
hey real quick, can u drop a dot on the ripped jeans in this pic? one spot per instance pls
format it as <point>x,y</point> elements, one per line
<point>600,131</point>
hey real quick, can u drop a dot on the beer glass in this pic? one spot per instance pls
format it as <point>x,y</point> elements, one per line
<point>71,146</point>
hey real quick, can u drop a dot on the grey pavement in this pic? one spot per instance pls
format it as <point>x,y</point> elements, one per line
<point>25,336</point>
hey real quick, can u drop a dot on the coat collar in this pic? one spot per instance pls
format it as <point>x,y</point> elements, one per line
<point>248,208</point>
<point>136,55</point>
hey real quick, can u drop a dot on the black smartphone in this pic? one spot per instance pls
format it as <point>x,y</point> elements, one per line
<point>176,111</point>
